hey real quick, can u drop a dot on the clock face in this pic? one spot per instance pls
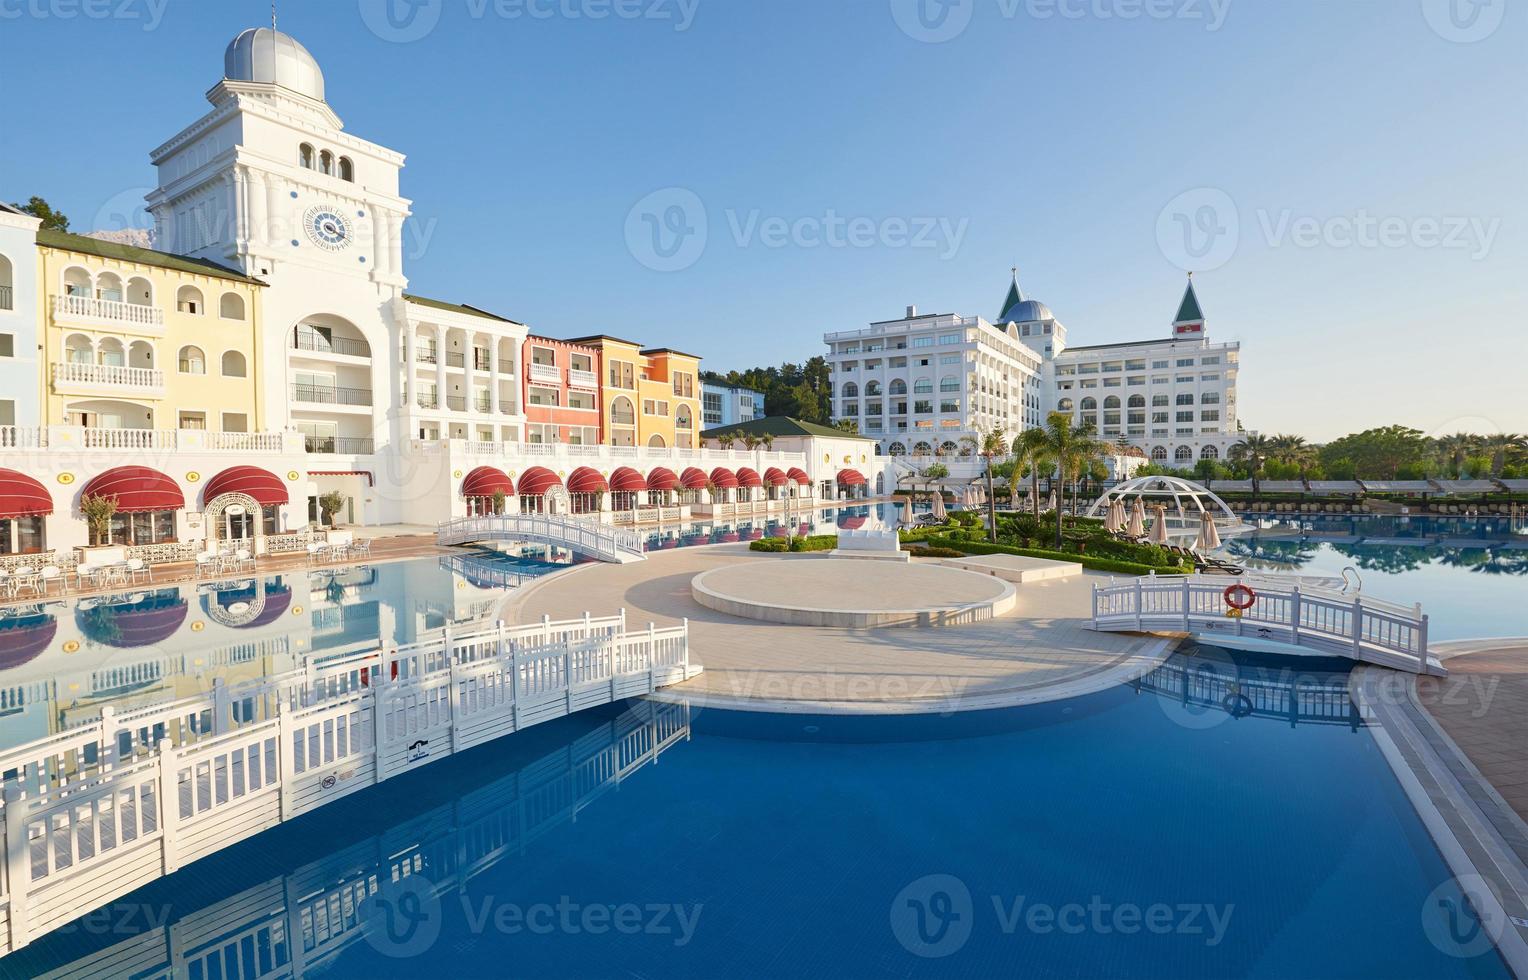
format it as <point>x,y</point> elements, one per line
<point>326,228</point>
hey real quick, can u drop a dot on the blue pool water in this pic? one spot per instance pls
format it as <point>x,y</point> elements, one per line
<point>1122,834</point>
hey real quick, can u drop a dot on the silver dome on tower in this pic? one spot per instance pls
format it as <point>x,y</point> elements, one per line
<point>261,54</point>
<point>1017,309</point>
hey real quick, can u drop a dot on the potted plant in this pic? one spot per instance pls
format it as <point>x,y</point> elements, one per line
<point>329,505</point>
<point>499,498</point>
<point>98,512</point>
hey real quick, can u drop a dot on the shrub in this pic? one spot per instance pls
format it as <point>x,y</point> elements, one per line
<point>923,552</point>
<point>1095,562</point>
<point>967,518</point>
<point>817,542</point>
<point>769,544</point>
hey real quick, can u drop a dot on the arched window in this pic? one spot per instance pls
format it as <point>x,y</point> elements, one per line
<point>851,390</point>
<point>949,384</point>
<point>656,442</point>
<point>1210,398</point>
<point>347,169</point>
<point>1065,405</point>
<point>305,156</point>
<point>1137,401</point>
<point>192,360</point>
<point>233,365</point>
<point>948,448</point>
<point>188,299</point>
<point>923,386</point>
<point>1090,404</point>
<point>683,419</point>
<point>7,283</point>
<point>231,306</point>
<point>1209,452</point>
<point>140,292</point>
<point>1112,402</point>
<point>77,282</point>
<point>872,388</point>
<point>1183,454</point>
<point>922,449</point>
<point>326,162</point>
<point>108,286</point>
<point>622,412</point>
<point>1159,452</point>
<point>898,449</point>
<point>1187,399</point>
<point>898,386</point>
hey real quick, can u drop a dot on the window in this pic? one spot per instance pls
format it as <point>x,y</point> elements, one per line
<point>153,527</point>
<point>1209,452</point>
<point>1185,417</point>
<point>1090,404</point>
<point>1210,398</point>
<point>951,338</point>
<point>1185,362</point>
<point>1210,415</point>
<point>1064,405</point>
<point>949,384</point>
<point>923,341</point>
<point>923,407</point>
<point>235,422</point>
<point>231,306</point>
<point>898,387</point>
<point>1186,399</point>
<point>1160,366</point>
<point>623,375</point>
<point>923,386</point>
<point>192,420</point>
<point>326,162</point>
<point>305,156</point>
<point>233,364</point>
<point>7,345</point>
<point>1207,362</point>
<point>22,535</point>
<point>851,390</point>
<point>949,407</point>
<point>347,169</point>
<point>192,361</point>
<point>1159,452</point>
<point>1158,418</point>
<point>948,359</point>
<point>1183,454</point>
<point>189,300</point>
<point>1159,401</point>
<point>1112,402</point>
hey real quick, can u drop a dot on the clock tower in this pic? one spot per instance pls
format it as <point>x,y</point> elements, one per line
<point>270,183</point>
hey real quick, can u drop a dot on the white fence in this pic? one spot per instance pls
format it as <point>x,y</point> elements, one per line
<point>619,455</point>
<point>1357,626</point>
<point>92,813</point>
<point>586,537</point>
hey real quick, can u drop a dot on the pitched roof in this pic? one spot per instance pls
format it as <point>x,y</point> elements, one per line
<point>142,256</point>
<point>1015,296</point>
<point>1188,310</point>
<point>602,336</point>
<point>779,426</point>
<point>669,350</point>
<point>461,308</point>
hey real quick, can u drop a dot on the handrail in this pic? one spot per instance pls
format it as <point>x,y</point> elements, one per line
<point>577,534</point>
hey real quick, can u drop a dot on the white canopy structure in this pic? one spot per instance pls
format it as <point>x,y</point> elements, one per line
<point>1183,500</point>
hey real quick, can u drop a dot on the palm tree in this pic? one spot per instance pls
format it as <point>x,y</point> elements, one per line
<point>989,446</point>
<point>1292,451</point>
<point>1500,446</point>
<point>1029,449</point>
<point>1253,450</point>
<point>1073,448</point>
<point>1456,449</point>
<point>750,441</point>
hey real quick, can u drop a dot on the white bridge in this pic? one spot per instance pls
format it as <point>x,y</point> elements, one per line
<point>1356,626</point>
<point>582,536</point>
<point>95,812</point>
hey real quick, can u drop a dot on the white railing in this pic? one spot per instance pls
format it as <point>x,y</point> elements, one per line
<point>762,458</point>
<point>191,440</point>
<point>128,438</point>
<point>586,537</point>
<point>252,442</point>
<point>548,373</point>
<point>94,812</point>
<point>582,379</point>
<point>115,375</point>
<point>1355,626</point>
<point>22,437</point>
<point>90,308</point>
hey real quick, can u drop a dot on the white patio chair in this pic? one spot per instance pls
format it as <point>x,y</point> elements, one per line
<point>137,567</point>
<point>242,559</point>
<point>86,574</point>
<point>51,574</point>
<point>315,552</point>
<point>206,564</point>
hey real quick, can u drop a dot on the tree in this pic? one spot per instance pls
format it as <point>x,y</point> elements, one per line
<point>989,446</point>
<point>1030,449</point>
<point>847,425</point>
<point>1455,449</point>
<point>726,439</point>
<point>1378,454</point>
<point>1074,449</point>
<point>329,505</point>
<point>98,512</point>
<point>933,473</point>
<point>51,220</point>
<point>1500,446</point>
<point>1253,449</point>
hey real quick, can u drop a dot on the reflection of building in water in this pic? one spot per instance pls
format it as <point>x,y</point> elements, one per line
<point>1215,682</point>
<point>299,923</point>
<point>62,661</point>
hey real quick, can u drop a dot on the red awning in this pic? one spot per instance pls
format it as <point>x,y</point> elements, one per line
<point>370,481</point>
<point>136,489</point>
<point>851,523</point>
<point>851,478</point>
<point>748,478</point>
<point>147,622</point>
<point>22,496</point>
<point>586,479</point>
<point>694,479</point>
<point>265,486</point>
<point>773,477</point>
<point>485,481</point>
<point>664,479</point>
<point>24,638</point>
<point>723,478</point>
<point>537,480</point>
<point>799,475</point>
<point>627,480</point>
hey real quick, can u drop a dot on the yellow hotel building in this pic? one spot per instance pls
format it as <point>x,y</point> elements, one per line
<point>647,397</point>
<point>138,339</point>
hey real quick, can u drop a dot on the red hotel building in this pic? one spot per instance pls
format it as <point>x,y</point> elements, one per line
<point>561,392</point>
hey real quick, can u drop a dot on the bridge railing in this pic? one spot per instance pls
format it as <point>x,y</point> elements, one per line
<point>578,534</point>
<point>94,812</point>
<point>1356,626</point>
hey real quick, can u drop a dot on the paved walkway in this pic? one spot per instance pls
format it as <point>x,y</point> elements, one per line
<point>1038,652</point>
<point>1483,705</point>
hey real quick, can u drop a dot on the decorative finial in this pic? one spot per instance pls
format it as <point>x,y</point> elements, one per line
<point>273,15</point>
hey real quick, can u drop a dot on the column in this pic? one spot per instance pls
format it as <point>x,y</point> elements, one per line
<point>258,224</point>
<point>410,381</point>
<point>469,340</point>
<point>493,382</point>
<point>440,368</point>
<point>395,245</point>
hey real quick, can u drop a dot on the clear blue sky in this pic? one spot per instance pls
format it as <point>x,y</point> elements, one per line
<point>1033,138</point>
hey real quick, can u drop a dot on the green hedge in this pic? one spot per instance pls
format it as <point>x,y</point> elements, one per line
<point>769,544</point>
<point>1094,562</point>
<point>817,542</point>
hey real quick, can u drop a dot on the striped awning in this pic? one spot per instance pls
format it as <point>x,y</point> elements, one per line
<point>799,475</point>
<point>747,477</point>
<point>485,481</point>
<point>664,479</point>
<point>136,489</point>
<point>627,480</point>
<point>265,486</point>
<point>22,496</point>
<point>587,479</point>
<point>537,480</point>
<point>773,477</point>
<point>724,478</point>
<point>851,478</point>
<point>694,479</point>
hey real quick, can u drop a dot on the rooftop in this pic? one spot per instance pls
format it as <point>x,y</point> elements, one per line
<point>70,242</point>
<point>461,308</point>
<point>782,426</point>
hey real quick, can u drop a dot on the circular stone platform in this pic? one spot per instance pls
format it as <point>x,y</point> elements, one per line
<point>852,594</point>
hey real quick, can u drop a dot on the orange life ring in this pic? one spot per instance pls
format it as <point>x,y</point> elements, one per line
<point>1240,597</point>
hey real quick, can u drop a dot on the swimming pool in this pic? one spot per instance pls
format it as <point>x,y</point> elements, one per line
<point>1136,832</point>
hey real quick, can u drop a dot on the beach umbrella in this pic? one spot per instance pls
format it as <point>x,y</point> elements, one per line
<point>1050,502</point>
<point>1209,534</point>
<point>939,511</point>
<point>1114,522</point>
<point>1159,524</point>
<point>907,510</point>
<point>1137,527</point>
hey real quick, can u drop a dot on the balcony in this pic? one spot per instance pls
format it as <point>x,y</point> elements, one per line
<point>455,359</point>
<point>88,311</point>
<point>339,445</point>
<point>582,379</point>
<point>7,298</point>
<point>618,419</point>
<point>331,395</point>
<point>317,343</point>
<point>427,400</point>
<point>549,374</point>
<point>456,403</point>
<point>80,378</point>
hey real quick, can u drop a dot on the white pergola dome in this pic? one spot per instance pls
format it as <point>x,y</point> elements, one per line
<point>1183,499</point>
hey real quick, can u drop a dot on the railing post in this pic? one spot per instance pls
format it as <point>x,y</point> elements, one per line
<point>1137,605</point>
<point>546,630</point>
<point>1294,615</point>
<point>1187,601</point>
<point>18,872</point>
<point>1422,646</point>
<point>1094,620</point>
<point>652,657</point>
<point>169,806</point>
<point>108,741</point>
<point>450,691</point>
<point>1358,628</point>
<point>221,707</point>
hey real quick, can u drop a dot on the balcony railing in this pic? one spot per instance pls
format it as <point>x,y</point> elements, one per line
<point>549,373</point>
<point>456,403</point>
<point>619,419</point>
<point>482,403</point>
<point>481,360</point>
<point>426,400</point>
<point>90,308</point>
<point>455,358</point>
<point>339,445</point>
<point>7,298</point>
<point>331,395</point>
<point>117,376</point>
<point>320,344</point>
<point>425,356</point>
<point>582,379</point>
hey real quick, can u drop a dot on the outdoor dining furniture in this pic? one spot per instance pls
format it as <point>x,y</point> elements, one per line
<point>315,552</point>
<point>242,560</point>
<point>206,563</point>
<point>137,567</point>
<point>25,578</point>
<point>49,575</point>
<point>86,574</point>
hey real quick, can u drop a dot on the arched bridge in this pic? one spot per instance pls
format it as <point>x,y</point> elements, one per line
<point>579,535</point>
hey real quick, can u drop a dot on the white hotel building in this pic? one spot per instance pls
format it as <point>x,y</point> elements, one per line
<point>921,383</point>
